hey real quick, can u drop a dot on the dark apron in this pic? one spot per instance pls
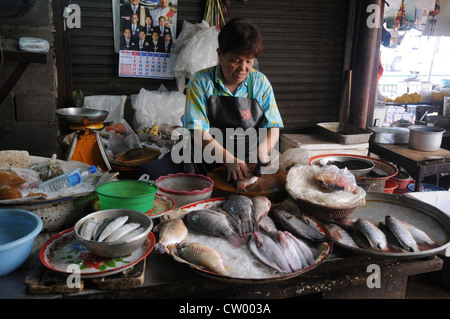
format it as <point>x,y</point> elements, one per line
<point>232,112</point>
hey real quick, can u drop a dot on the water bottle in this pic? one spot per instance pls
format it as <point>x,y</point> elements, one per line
<point>68,179</point>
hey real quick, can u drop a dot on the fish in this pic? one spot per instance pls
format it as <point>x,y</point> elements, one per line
<point>348,223</point>
<point>304,250</point>
<point>87,229</point>
<point>269,252</point>
<point>340,235</point>
<point>171,232</point>
<point>241,184</point>
<point>100,227</point>
<point>393,242</point>
<point>261,207</point>
<point>267,225</point>
<point>132,234</point>
<point>420,236</point>
<point>333,181</point>
<point>241,209</point>
<point>213,223</point>
<point>293,256</point>
<point>370,236</point>
<point>112,226</point>
<point>202,256</point>
<point>295,225</point>
<point>402,233</point>
<point>121,231</point>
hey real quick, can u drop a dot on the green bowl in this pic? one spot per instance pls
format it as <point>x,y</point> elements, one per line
<point>127,194</point>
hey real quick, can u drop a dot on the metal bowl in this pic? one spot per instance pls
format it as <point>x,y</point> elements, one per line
<point>117,248</point>
<point>77,115</point>
<point>357,166</point>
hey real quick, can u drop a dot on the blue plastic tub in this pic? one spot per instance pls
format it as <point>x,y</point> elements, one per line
<point>18,230</point>
<point>426,188</point>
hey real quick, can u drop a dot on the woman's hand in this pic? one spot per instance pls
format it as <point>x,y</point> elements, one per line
<point>238,170</point>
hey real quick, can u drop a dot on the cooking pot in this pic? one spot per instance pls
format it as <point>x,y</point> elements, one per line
<point>425,138</point>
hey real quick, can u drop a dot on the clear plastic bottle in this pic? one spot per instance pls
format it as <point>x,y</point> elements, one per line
<point>68,179</point>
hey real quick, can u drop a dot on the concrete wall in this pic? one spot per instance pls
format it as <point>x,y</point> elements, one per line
<point>28,120</point>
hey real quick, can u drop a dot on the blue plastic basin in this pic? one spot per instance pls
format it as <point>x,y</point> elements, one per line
<point>18,230</point>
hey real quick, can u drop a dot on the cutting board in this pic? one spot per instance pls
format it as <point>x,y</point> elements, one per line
<point>270,185</point>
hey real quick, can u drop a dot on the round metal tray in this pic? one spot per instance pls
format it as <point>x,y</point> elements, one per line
<point>428,218</point>
<point>78,114</point>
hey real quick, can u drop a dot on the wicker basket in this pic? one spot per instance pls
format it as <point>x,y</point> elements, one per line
<point>321,211</point>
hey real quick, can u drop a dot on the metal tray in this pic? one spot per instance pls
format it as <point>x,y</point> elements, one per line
<point>430,219</point>
<point>77,115</point>
<point>343,133</point>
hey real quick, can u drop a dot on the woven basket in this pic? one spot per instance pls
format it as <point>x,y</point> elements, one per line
<point>322,211</point>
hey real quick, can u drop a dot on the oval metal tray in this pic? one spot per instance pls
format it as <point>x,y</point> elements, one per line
<point>428,218</point>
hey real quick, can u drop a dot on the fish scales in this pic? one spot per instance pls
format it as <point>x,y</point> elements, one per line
<point>402,233</point>
<point>241,209</point>
<point>268,252</point>
<point>202,256</point>
<point>295,226</point>
<point>171,232</point>
<point>376,238</point>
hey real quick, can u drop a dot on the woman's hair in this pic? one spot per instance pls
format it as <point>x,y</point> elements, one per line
<point>241,37</point>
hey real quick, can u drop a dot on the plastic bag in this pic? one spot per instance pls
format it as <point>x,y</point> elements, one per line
<point>123,140</point>
<point>160,107</point>
<point>48,169</point>
<point>332,178</point>
<point>31,176</point>
<point>197,51</point>
<point>292,157</point>
<point>33,44</point>
<point>111,103</point>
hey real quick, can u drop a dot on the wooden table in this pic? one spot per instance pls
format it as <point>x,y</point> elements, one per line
<point>418,164</point>
<point>340,276</point>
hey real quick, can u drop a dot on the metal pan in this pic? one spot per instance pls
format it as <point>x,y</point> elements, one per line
<point>78,114</point>
<point>428,218</point>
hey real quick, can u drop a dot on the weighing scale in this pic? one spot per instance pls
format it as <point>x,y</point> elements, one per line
<point>87,146</point>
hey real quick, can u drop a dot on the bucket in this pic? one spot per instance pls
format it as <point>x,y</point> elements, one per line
<point>390,186</point>
<point>425,138</point>
<point>127,194</point>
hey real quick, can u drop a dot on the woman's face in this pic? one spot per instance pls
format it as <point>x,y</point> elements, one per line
<point>235,68</point>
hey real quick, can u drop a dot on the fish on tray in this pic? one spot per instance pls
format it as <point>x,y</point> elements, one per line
<point>402,234</point>
<point>202,256</point>
<point>369,236</point>
<point>171,232</point>
<point>269,252</point>
<point>295,225</point>
<point>241,209</point>
<point>339,234</point>
<point>213,223</point>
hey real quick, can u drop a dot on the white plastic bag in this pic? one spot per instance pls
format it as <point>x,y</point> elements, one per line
<point>33,44</point>
<point>197,51</point>
<point>158,107</point>
<point>123,141</point>
<point>113,104</point>
<point>292,157</point>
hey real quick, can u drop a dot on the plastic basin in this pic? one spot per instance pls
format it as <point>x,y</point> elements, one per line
<point>18,230</point>
<point>127,194</point>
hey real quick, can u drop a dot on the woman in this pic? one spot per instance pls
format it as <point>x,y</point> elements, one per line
<point>233,95</point>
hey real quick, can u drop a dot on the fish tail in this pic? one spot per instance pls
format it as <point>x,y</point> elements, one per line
<point>160,248</point>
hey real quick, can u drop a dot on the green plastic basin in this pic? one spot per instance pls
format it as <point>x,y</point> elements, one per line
<point>127,194</point>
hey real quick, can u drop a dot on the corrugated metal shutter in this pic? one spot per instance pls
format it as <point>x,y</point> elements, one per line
<point>303,54</point>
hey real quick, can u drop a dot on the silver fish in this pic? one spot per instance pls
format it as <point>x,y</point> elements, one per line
<point>268,226</point>
<point>132,234</point>
<point>241,209</point>
<point>295,225</point>
<point>171,232</point>
<point>87,229</point>
<point>100,226</point>
<point>121,231</point>
<point>420,236</point>
<point>292,254</point>
<point>339,234</point>
<point>304,250</point>
<point>393,242</point>
<point>373,237</point>
<point>213,223</point>
<point>112,226</point>
<point>401,233</point>
<point>268,252</point>
<point>261,207</point>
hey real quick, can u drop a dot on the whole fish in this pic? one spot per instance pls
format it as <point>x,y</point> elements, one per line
<point>241,209</point>
<point>100,227</point>
<point>112,226</point>
<point>402,233</point>
<point>295,225</point>
<point>171,232</point>
<point>241,184</point>
<point>392,240</point>
<point>211,222</point>
<point>87,229</point>
<point>269,252</point>
<point>132,234</point>
<point>304,250</point>
<point>202,256</point>
<point>292,254</point>
<point>121,231</point>
<point>261,207</point>
<point>268,226</point>
<point>372,237</point>
<point>420,236</point>
<point>339,234</point>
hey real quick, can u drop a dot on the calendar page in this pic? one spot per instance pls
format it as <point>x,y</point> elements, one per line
<point>143,64</point>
